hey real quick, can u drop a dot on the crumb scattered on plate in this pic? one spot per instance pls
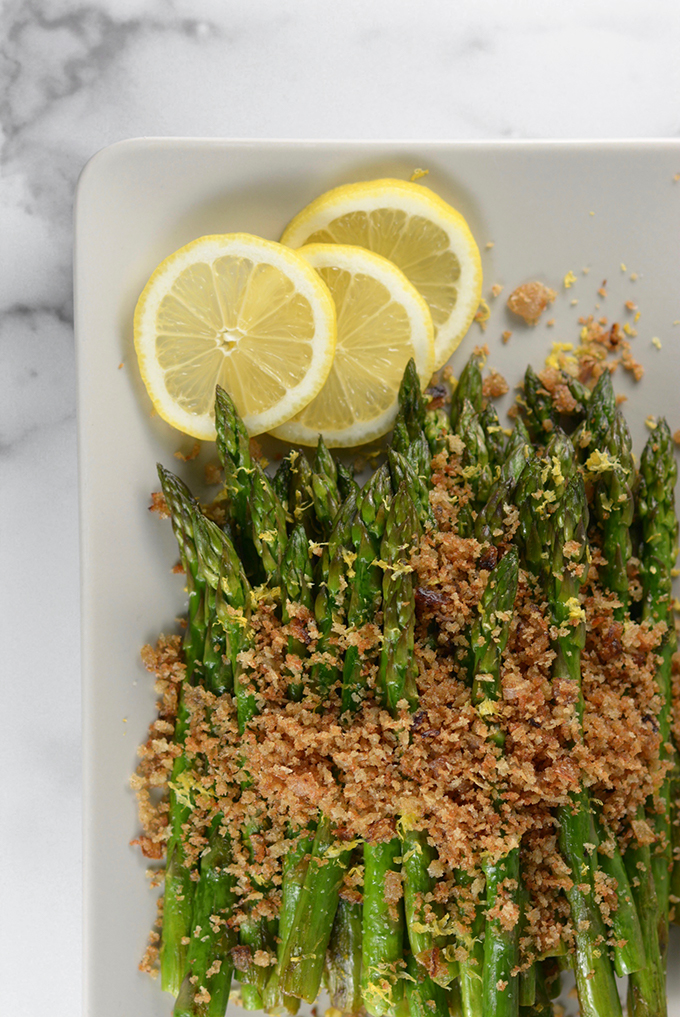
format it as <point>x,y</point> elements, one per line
<point>530,300</point>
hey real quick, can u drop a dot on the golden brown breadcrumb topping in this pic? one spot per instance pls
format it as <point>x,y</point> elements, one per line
<point>436,768</point>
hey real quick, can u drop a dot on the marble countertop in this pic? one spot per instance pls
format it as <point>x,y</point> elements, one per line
<point>75,77</point>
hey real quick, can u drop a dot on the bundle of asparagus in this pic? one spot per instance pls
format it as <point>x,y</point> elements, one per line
<point>308,607</point>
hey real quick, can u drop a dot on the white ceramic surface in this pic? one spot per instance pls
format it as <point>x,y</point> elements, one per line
<point>546,209</point>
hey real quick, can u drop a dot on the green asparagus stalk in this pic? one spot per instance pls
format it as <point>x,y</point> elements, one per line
<point>382,931</point>
<point>546,527</point>
<point>301,964</point>
<point>300,494</point>
<point>268,524</point>
<point>646,986</point>
<point>424,996</point>
<point>295,868</point>
<point>233,449</point>
<point>434,953</point>
<point>383,928</point>
<point>325,493</point>
<point>411,402</point>
<point>437,428</point>
<point>297,581</point>
<point>209,967</point>
<point>402,472</point>
<point>469,388</point>
<point>220,565</point>
<point>490,517</point>
<point>264,516</point>
<point>396,675</point>
<point>659,528</point>
<point>489,636</point>
<point>281,482</point>
<point>430,944</point>
<point>179,886</point>
<point>331,600</point>
<point>614,507</point>
<point>304,953</point>
<point>476,468</point>
<point>529,975</point>
<point>346,483</point>
<point>541,416</point>
<point>344,958</point>
<point>367,530</point>
<point>541,1006</point>
<point>494,437</point>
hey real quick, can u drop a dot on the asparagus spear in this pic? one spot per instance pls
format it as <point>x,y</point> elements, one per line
<point>295,866</point>
<point>424,996</point>
<point>437,428</point>
<point>260,514</point>
<point>659,526</point>
<point>430,945</point>
<point>383,922</point>
<point>499,954</point>
<point>222,570</point>
<point>179,886</point>
<point>207,978</point>
<point>344,958</point>
<point>281,482</point>
<point>490,518</point>
<point>367,530</point>
<point>304,953</point>
<point>382,931</point>
<point>476,468</point>
<point>614,507</point>
<point>300,494</point>
<point>542,1003</point>
<point>494,437</point>
<point>541,416</point>
<point>330,602</point>
<point>268,524</point>
<point>469,388</point>
<point>325,493</point>
<point>209,958</point>
<point>402,472</point>
<point>411,403</point>
<point>546,527</point>
<point>610,457</point>
<point>233,449</point>
<point>297,581</point>
<point>396,675</point>
<point>346,483</point>
<point>301,962</point>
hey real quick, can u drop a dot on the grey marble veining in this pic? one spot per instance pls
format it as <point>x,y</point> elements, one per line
<point>77,76</point>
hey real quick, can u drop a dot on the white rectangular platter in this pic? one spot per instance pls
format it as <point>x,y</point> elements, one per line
<point>538,211</point>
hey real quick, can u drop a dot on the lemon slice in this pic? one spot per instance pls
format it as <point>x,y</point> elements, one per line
<point>238,311</point>
<point>382,322</point>
<point>409,224</point>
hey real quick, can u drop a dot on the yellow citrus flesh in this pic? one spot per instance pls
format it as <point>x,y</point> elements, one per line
<point>382,321</point>
<point>238,311</point>
<point>414,228</point>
